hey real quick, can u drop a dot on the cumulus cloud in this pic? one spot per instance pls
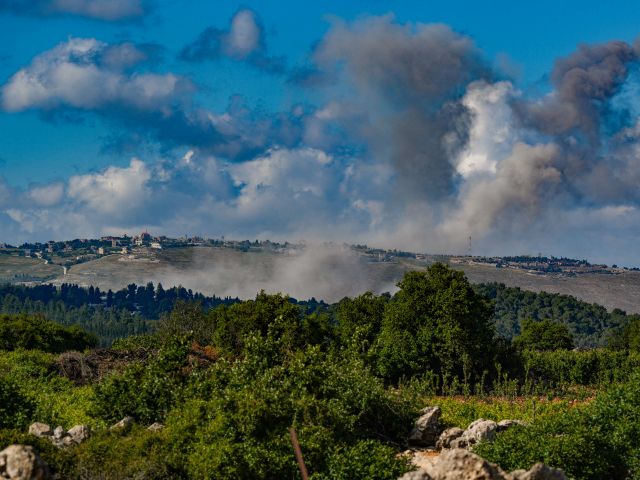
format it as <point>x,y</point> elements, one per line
<point>92,77</point>
<point>85,74</point>
<point>244,40</point>
<point>109,10</point>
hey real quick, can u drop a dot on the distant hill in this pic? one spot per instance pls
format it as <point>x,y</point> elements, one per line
<point>327,273</point>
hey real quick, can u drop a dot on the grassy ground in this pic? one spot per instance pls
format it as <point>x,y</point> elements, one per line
<point>461,411</point>
<point>21,269</point>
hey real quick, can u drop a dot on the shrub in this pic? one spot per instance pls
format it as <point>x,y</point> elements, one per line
<point>146,391</point>
<point>138,454</point>
<point>15,408</point>
<point>543,336</point>
<point>235,423</point>
<point>599,440</point>
<point>35,332</point>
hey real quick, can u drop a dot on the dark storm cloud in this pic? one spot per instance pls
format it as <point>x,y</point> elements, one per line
<point>244,40</point>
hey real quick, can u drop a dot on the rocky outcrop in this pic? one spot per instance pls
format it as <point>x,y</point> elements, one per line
<point>58,436</point>
<point>427,428</point>
<point>461,464</point>
<point>22,462</point>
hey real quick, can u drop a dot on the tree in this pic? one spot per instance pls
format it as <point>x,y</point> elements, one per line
<point>543,336</point>
<point>436,322</point>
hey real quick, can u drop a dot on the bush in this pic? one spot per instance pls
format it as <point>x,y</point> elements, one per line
<point>138,454</point>
<point>596,441</point>
<point>235,423</point>
<point>35,332</point>
<point>144,391</point>
<point>15,409</point>
<point>543,336</point>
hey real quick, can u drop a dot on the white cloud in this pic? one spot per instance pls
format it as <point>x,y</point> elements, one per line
<point>101,9</point>
<point>244,36</point>
<point>113,191</point>
<point>70,76</point>
<point>47,195</point>
<point>109,10</point>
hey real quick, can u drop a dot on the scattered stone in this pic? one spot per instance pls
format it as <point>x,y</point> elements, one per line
<point>58,433</point>
<point>507,424</point>
<point>446,437</point>
<point>79,433</point>
<point>155,427</point>
<point>478,431</point>
<point>459,464</point>
<point>419,474</point>
<point>40,430</point>
<point>539,472</point>
<point>427,428</point>
<point>124,424</point>
<point>22,462</point>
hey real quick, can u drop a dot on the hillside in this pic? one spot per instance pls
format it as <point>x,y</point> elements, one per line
<point>324,273</point>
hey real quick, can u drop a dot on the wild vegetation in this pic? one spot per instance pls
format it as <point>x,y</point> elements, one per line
<point>227,381</point>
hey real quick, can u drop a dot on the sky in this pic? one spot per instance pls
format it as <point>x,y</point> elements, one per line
<point>415,125</point>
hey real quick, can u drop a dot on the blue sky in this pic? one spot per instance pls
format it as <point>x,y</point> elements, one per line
<point>250,119</point>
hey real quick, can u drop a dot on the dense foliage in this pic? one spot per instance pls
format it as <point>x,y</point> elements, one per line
<point>543,336</point>
<point>599,440</point>
<point>589,324</point>
<point>31,332</point>
<point>229,381</point>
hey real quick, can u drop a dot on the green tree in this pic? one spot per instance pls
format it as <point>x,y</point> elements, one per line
<point>437,322</point>
<point>543,336</point>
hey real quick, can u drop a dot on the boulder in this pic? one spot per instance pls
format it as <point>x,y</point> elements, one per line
<point>446,437</point>
<point>58,433</point>
<point>427,428</point>
<point>40,430</point>
<point>419,474</point>
<point>507,424</point>
<point>79,433</point>
<point>539,471</point>
<point>155,427</point>
<point>124,424</point>
<point>22,462</point>
<point>460,464</point>
<point>476,432</point>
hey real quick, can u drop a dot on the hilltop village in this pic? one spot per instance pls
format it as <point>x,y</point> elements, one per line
<point>72,252</point>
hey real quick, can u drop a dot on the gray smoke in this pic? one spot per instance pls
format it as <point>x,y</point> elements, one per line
<point>409,82</point>
<point>584,82</point>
